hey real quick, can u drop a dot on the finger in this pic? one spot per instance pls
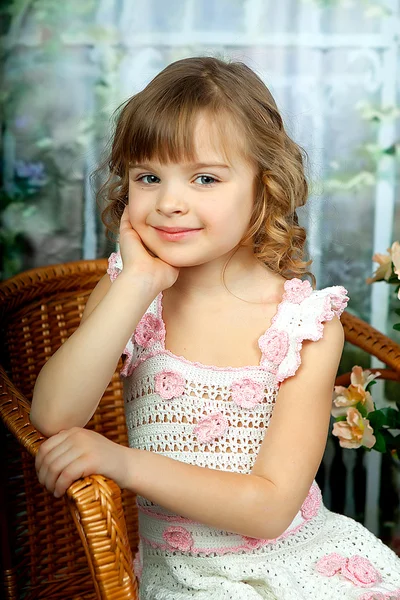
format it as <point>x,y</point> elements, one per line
<point>75,470</point>
<point>50,458</point>
<point>48,445</point>
<point>58,465</point>
<point>125,222</point>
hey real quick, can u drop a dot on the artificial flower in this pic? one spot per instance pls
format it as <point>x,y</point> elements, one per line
<point>355,431</point>
<point>385,261</point>
<point>355,393</point>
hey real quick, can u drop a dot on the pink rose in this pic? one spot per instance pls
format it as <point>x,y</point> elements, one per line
<point>169,384</point>
<point>253,543</point>
<point>356,568</point>
<point>330,564</point>
<point>296,290</point>
<point>361,571</point>
<point>312,503</point>
<point>274,345</point>
<point>178,538</point>
<point>210,427</point>
<point>247,393</point>
<point>150,329</point>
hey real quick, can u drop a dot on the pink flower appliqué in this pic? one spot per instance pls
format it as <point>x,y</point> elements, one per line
<point>114,270</point>
<point>356,568</point>
<point>247,393</point>
<point>150,329</point>
<point>178,538</point>
<point>296,290</point>
<point>274,345</point>
<point>330,564</point>
<point>210,427</point>
<point>253,543</point>
<point>169,384</point>
<point>360,571</point>
<point>312,503</point>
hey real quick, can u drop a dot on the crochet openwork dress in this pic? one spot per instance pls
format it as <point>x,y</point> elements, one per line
<point>216,417</point>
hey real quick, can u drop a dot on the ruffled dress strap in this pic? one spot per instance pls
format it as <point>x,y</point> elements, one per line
<point>149,333</point>
<point>300,316</point>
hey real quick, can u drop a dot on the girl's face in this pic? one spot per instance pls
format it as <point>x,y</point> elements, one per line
<point>211,196</point>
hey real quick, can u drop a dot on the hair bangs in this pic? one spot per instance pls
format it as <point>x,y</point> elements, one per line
<point>162,126</point>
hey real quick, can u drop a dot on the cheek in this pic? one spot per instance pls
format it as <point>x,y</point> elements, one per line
<point>135,216</point>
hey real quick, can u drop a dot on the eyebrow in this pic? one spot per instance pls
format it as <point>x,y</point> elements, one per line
<point>190,166</point>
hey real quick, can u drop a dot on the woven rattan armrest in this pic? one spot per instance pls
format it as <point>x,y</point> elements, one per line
<point>94,502</point>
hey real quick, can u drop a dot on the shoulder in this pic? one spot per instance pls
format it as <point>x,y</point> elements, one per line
<point>304,311</point>
<point>305,315</point>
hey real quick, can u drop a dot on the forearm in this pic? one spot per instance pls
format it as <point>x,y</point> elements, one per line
<point>71,383</point>
<point>235,502</point>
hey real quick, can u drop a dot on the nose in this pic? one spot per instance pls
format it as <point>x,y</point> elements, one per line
<point>171,200</point>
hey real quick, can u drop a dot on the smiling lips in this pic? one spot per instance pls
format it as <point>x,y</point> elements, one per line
<point>173,234</point>
<point>175,229</point>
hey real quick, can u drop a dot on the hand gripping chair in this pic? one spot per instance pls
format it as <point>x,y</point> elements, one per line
<point>81,546</point>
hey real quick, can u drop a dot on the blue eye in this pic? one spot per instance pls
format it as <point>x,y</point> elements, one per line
<point>152,179</point>
<point>206,179</point>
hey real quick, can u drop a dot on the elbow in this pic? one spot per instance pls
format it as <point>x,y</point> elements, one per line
<point>273,518</point>
<point>41,418</point>
<point>50,425</point>
<point>44,425</point>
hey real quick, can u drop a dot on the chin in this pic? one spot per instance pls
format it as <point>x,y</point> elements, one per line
<point>180,259</point>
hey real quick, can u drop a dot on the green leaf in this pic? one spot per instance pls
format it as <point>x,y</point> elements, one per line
<point>390,150</point>
<point>397,311</point>
<point>377,419</point>
<point>385,417</point>
<point>380,444</point>
<point>396,326</point>
<point>392,417</point>
<point>342,418</point>
<point>371,383</point>
<point>361,409</point>
<point>393,278</point>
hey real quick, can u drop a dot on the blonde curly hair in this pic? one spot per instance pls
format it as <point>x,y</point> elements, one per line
<point>158,122</point>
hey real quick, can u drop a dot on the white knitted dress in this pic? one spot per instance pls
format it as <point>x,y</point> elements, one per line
<point>216,417</point>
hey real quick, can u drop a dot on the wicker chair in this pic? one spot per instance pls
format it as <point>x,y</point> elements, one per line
<point>80,546</point>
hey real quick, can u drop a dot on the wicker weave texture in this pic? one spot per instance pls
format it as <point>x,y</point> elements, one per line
<point>80,546</point>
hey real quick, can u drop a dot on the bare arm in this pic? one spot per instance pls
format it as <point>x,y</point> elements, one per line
<point>72,382</point>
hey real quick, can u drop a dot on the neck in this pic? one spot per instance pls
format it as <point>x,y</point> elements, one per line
<point>244,276</point>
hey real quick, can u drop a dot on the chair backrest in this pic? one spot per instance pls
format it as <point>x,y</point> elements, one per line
<point>39,310</point>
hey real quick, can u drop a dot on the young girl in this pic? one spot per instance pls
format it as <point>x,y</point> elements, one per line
<point>230,357</point>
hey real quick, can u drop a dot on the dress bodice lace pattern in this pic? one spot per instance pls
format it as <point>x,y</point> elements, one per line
<point>217,417</point>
